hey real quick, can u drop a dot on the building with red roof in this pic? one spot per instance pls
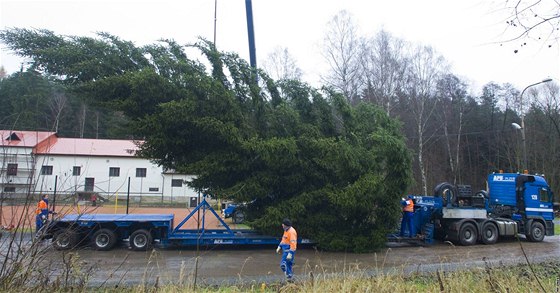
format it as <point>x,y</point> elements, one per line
<point>38,162</point>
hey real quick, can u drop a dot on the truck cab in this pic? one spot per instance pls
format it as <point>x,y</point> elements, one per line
<point>525,198</point>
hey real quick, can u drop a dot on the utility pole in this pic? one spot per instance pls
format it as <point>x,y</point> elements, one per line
<point>251,34</point>
<point>215,20</point>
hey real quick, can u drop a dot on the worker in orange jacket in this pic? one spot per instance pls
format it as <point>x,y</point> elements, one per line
<point>288,246</point>
<point>42,212</point>
<point>407,223</point>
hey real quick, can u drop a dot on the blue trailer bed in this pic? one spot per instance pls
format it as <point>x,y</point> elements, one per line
<point>143,230</point>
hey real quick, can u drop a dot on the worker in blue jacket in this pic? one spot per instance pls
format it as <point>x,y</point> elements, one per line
<point>407,217</point>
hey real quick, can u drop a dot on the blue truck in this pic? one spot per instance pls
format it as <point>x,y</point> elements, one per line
<point>143,231</point>
<point>512,204</point>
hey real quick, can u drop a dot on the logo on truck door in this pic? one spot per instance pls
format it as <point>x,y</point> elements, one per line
<point>504,178</point>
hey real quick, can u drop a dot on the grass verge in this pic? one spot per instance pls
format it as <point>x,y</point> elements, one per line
<point>500,279</point>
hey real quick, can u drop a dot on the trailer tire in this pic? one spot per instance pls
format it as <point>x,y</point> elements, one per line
<point>468,234</point>
<point>536,232</point>
<point>104,239</point>
<point>489,233</point>
<point>140,240</point>
<point>65,239</point>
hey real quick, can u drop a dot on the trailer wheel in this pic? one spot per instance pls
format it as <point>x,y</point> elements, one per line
<point>65,239</point>
<point>104,239</point>
<point>467,234</point>
<point>489,233</point>
<point>141,240</point>
<point>536,232</point>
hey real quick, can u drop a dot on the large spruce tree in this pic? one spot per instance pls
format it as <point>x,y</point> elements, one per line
<point>283,148</point>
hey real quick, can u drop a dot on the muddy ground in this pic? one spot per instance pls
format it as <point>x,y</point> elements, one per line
<point>258,264</point>
<point>228,265</point>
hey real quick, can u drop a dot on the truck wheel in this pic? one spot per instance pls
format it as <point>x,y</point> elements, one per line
<point>536,234</point>
<point>489,233</point>
<point>65,239</point>
<point>238,217</point>
<point>140,240</point>
<point>467,234</point>
<point>104,239</point>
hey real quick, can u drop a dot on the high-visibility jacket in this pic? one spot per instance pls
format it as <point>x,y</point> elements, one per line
<point>289,239</point>
<point>409,207</point>
<point>42,208</point>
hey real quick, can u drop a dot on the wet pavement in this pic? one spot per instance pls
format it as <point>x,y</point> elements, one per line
<point>121,266</point>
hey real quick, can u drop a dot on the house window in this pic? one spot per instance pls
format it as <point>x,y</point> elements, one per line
<point>9,189</point>
<point>46,170</point>
<point>12,169</point>
<point>90,183</point>
<point>153,189</point>
<point>140,172</point>
<point>176,182</point>
<point>76,170</point>
<point>114,172</point>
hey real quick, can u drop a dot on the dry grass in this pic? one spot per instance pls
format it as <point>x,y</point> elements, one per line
<point>503,279</point>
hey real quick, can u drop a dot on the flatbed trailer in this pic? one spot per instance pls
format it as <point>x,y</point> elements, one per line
<point>142,231</point>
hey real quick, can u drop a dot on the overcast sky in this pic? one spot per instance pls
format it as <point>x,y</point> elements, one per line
<point>467,32</point>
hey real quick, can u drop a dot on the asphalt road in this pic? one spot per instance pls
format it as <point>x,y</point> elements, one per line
<point>257,265</point>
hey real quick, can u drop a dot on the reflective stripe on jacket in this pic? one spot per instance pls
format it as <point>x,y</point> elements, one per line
<point>409,207</point>
<point>289,239</point>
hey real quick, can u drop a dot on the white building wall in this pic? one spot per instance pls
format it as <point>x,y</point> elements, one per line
<point>155,184</point>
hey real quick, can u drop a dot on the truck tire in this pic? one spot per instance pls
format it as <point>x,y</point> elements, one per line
<point>468,234</point>
<point>482,193</point>
<point>104,239</point>
<point>448,193</point>
<point>536,232</point>
<point>141,240</point>
<point>489,233</point>
<point>65,239</point>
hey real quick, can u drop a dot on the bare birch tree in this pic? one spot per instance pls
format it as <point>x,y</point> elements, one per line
<point>280,64</point>
<point>426,68</point>
<point>385,61</point>
<point>451,94</point>
<point>342,53</point>
<point>57,104</point>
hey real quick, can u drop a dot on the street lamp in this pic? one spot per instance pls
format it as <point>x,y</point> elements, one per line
<point>522,126</point>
